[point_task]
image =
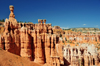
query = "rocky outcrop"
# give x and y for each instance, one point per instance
(36, 42)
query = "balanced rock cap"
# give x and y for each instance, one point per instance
(11, 6)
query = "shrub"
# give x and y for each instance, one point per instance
(68, 41)
(60, 35)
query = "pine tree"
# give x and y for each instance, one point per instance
(3, 20)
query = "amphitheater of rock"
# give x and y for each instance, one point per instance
(38, 43)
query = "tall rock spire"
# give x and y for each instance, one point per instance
(12, 19)
(11, 7)
(11, 16)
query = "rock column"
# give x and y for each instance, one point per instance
(23, 39)
(7, 42)
(47, 49)
(71, 55)
(39, 49)
(27, 46)
(59, 52)
(86, 60)
(17, 42)
(35, 46)
(1, 42)
(96, 59)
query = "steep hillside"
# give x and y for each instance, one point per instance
(9, 59)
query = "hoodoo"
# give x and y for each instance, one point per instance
(36, 42)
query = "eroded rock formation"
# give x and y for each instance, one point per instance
(36, 42)
(82, 55)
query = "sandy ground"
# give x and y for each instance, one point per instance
(9, 59)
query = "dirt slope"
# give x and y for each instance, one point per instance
(9, 59)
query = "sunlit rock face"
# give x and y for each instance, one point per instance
(84, 54)
(36, 42)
